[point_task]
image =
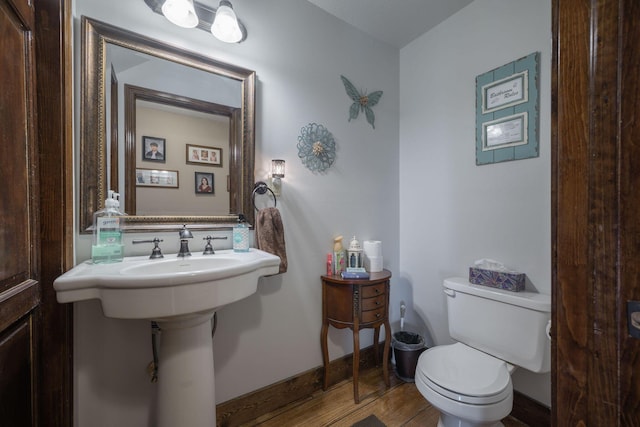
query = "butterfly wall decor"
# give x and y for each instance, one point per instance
(361, 101)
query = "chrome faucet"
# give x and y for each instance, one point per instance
(184, 242)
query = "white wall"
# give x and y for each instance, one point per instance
(298, 52)
(412, 183)
(453, 212)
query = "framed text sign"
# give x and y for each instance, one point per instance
(507, 112)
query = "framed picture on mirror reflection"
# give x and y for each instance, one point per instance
(153, 149)
(202, 155)
(204, 183)
(156, 178)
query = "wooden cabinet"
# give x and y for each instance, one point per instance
(356, 304)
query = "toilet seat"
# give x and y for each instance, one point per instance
(465, 374)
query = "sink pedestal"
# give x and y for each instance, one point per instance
(186, 391)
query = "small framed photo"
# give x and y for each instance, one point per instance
(153, 149)
(204, 183)
(156, 178)
(201, 155)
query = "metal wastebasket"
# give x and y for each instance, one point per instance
(407, 347)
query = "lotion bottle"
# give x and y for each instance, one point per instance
(107, 244)
(338, 256)
(241, 235)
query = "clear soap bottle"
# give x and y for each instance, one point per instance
(107, 244)
(241, 235)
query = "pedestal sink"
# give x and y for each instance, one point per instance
(181, 295)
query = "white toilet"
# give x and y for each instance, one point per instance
(469, 382)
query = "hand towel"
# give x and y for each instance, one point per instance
(270, 234)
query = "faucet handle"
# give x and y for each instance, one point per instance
(156, 252)
(185, 233)
(208, 249)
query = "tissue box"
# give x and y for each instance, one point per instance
(509, 281)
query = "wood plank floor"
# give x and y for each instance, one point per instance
(401, 405)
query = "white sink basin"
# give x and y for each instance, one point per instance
(181, 266)
(156, 289)
(181, 294)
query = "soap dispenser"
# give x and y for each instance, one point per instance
(107, 244)
(241, 235)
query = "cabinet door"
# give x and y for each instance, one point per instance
(339, 302)
(19, 241)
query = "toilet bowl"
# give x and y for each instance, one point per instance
(469, 382)
(468, 387)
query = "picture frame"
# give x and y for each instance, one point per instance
(505, 132)
(203, 155)
(204, 183)
(508, 112)
(157, 178)
(506, 92)
(154, 149)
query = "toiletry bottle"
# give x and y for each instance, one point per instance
(107, 232)
(338, 256)
(241, 235)
(329, 264)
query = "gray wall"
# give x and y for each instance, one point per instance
(299, 53)
(412, 183)
(453, 212)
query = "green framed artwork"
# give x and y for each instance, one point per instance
(507, 112)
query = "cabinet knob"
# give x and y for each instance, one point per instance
(378, 315)
(377, 302)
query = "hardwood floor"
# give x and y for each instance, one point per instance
(401, 405)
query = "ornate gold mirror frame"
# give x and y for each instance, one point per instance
(93, 146)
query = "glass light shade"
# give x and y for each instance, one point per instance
(225, 25)
(277, 168)
(180, 12)
(276, 186)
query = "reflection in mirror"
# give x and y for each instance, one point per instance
(190, 92)
(196, 137)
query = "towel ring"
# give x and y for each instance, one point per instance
(261, 187)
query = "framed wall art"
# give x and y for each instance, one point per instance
(153, 149)
(156, 178)
(507, 112)
(204, 183)
(201, 155)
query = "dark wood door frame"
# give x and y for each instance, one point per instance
(595, 231)
(54, 83)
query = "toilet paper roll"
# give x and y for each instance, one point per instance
(373, 264)
(372, 248)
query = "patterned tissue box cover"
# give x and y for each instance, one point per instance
(511, 281)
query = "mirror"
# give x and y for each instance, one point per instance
(101, 159)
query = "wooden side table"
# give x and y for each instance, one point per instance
(356, 304)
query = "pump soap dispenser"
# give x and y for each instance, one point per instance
(107, 244)
(241, 235)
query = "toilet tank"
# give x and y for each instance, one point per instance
(508, 325)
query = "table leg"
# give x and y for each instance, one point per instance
(376, 339)
(356, 364)
(325, 354)
(385, 356)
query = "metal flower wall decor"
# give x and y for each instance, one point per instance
(361, 101)
(316, 147)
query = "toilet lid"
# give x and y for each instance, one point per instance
(465, 374)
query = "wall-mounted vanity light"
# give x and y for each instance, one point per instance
(180, 12)
(225, 25)
(277, 173)
(221, 22)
